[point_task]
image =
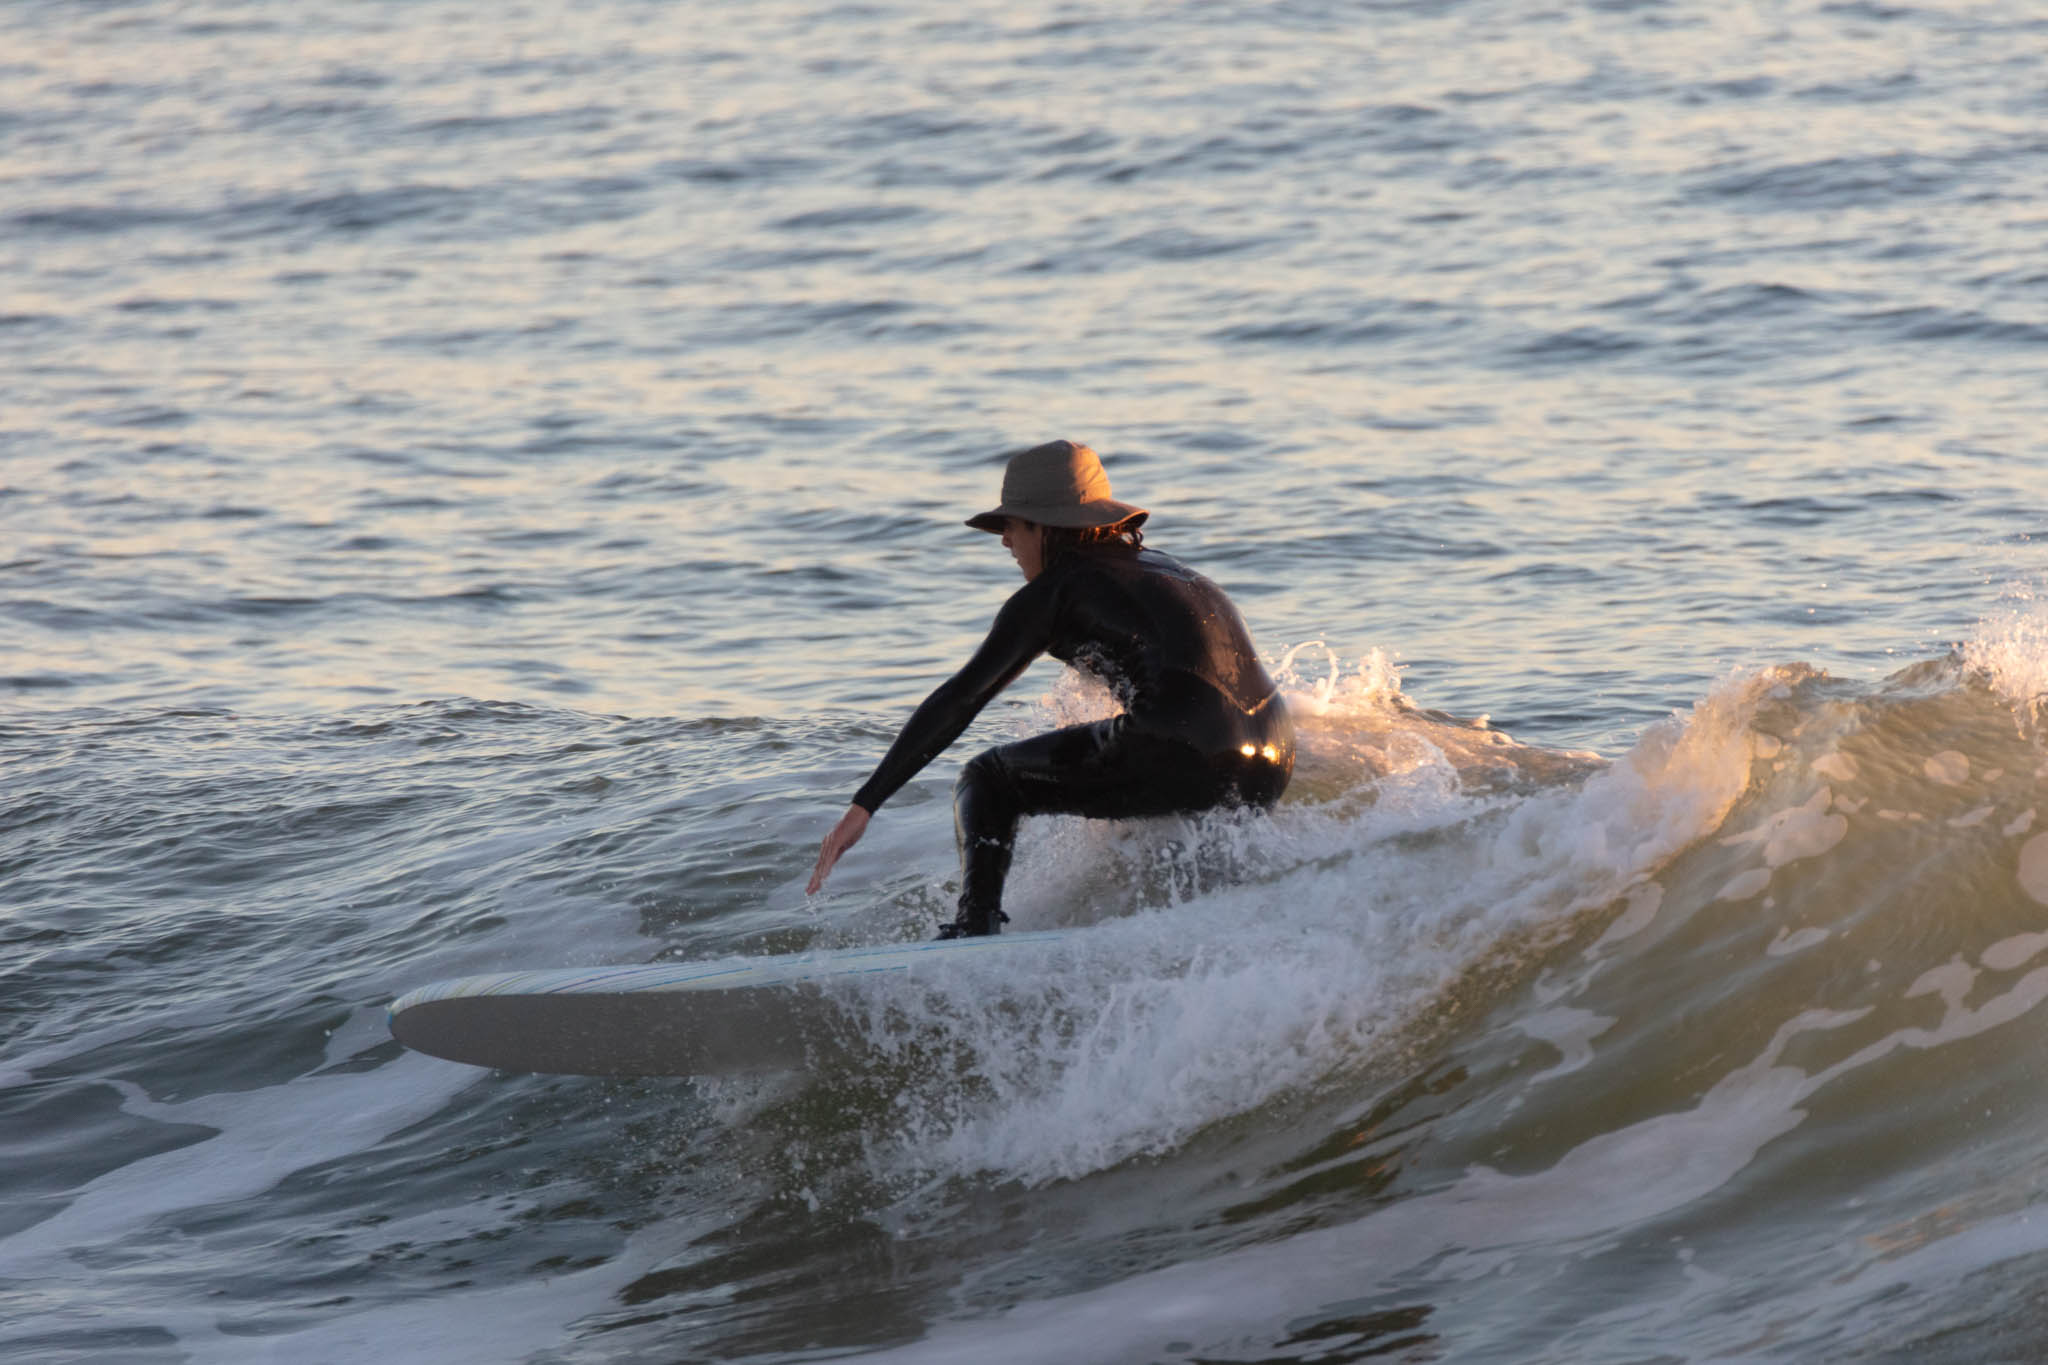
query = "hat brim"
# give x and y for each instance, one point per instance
(1080, 517)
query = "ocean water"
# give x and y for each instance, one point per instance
(481, 485)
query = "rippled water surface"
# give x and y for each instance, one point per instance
(480, 486)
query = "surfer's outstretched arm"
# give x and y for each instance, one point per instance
(1020, 634)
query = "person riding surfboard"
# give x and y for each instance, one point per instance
(1202, 726)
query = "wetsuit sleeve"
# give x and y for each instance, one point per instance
(1022, 630)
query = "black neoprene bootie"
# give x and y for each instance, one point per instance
(971, 925)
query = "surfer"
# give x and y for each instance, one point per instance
(1202, 724)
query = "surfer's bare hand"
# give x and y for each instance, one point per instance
(844, 835)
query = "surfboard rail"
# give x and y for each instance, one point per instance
(717, 1017)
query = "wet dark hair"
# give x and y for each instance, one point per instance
(1061, 541)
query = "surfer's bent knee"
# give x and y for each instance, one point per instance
(984, 771)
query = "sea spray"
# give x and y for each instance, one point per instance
(2010, 646)
(1412, 867)
(1632, 1106)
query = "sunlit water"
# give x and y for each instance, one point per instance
(480, 486)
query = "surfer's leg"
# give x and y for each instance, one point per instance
(993, 793)
(985, 815)
(1103, 770)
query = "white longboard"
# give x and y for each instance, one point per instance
(667, 1018)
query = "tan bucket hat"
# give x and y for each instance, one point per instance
(1057, 484)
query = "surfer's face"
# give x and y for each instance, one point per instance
(1025, 540)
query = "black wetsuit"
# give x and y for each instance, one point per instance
(1202, 726)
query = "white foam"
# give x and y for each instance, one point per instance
(67, 1038)
(1745, 885)
(1480, 1225)
(1789, 941)
(2021, 823)
(2033, 868)
(1802, 831)
(1488, 1222)
(2011, 647)
(456, 1325)
(1377, 682)
(2009, 954)
(1950, 767)
(452, 1324)
(1570, 1031)
(1951, 981)
(1971, 819)
(1373, 895)
(1638, 915)
(1837, 766)
(261, 1136)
